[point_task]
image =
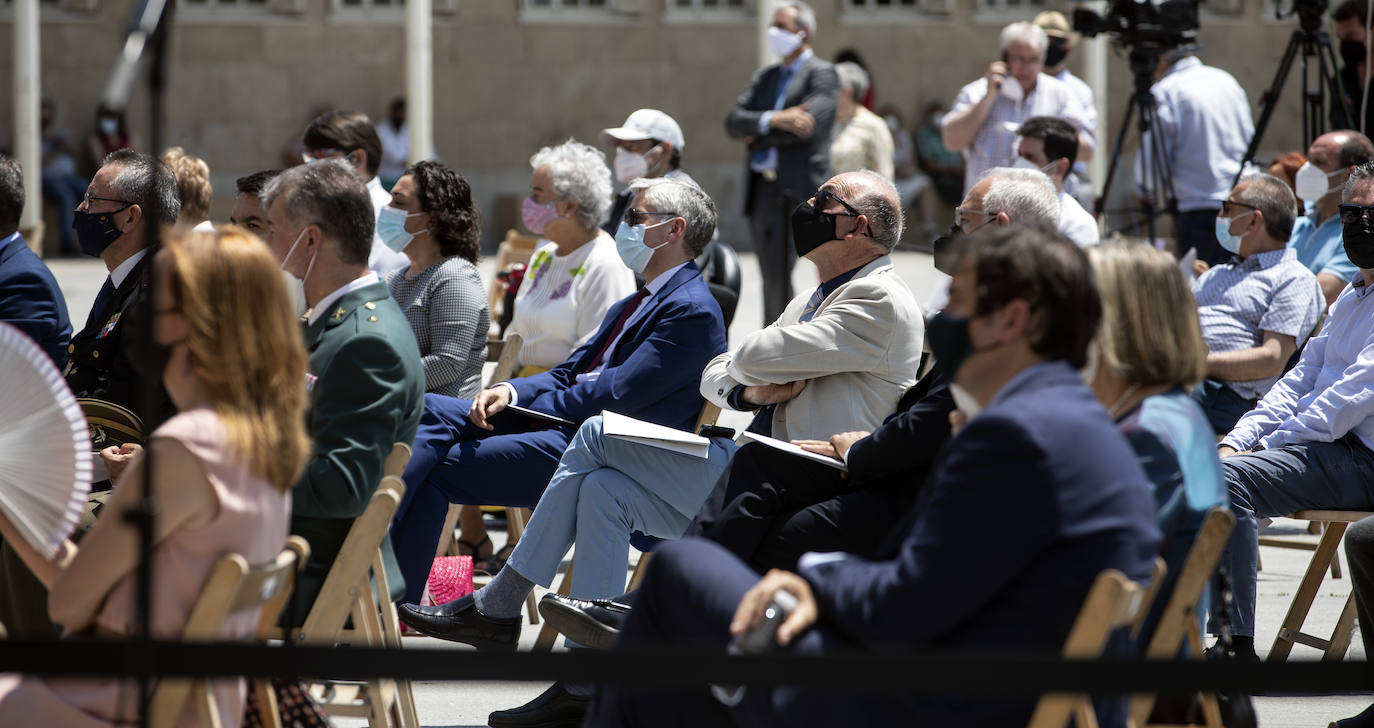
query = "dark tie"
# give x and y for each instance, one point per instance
(762, 424)
(779, 94)
(625, 314)
(102, 299)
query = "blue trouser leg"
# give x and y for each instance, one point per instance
(1327, 475)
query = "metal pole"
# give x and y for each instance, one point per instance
(764, 19)
(1095, 74)
(419, 79)
(26, 126)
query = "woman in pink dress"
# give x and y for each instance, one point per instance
(230, 354)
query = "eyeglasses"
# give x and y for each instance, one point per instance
(960, 212)
(90, 197)
(1354, 214)
(639, 217)
(1227, 205)
(309, 155)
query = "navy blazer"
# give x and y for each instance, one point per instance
(803, 162)
(31, 301)
(652, 373)
(1025, 506)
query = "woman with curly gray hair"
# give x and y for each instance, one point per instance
(433, 221)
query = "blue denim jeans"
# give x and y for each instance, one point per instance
(1327, 475)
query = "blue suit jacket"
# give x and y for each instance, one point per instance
(31, 301)
(652, 373)
(1025, 506)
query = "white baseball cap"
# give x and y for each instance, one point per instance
(646, 124)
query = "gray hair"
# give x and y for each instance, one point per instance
(687, 202)
(11, 194)
(145, 181)
(806, 17)
(853, 77)
(885, 221)
(1026, 195)
(1363, 174)
(327, 193)
(579, 172)
(1272, 197)
(1028, 33)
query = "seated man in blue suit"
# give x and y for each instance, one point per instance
(29, 297)
(644, 362)
(1034, 497)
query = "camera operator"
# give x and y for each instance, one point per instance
(1350, 19)
(1203, 119)
(983, 121)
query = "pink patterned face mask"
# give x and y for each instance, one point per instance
(536, 215)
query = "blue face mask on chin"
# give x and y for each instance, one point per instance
(629, 242)
(1224, 237)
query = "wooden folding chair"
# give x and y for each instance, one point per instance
(516, 248)
(233, 586)
(1112, 603)
(356, 589)
(1179, 620)
(1333, 649)
(547, 634)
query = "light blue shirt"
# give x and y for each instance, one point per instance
(770, 159)
(1330, 393)
(1204, 119)
(1320, 248)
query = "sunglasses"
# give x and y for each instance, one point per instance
(824, 195)
(1354, 214)
(640, 217)
(1228, 208)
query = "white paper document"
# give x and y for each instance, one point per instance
(647, 433)
(1185, 264)
(783, 445)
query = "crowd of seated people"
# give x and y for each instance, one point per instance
(286, 365)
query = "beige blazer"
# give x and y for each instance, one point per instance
(859, 353)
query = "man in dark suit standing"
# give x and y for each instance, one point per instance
(1035, 496)
(29, 297)
(365, 382)
(784, 117)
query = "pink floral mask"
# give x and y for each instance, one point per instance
(536, 215)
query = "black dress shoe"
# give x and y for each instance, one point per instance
(1363, 720)
(459, 621)
(554, 708)
(592, 623)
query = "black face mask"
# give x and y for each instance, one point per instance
(1352, 53)
(1056, 52)
(946, 249)
(1359, 243)
(95, 231)
(811, 229)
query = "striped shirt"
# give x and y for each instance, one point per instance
(1270, 291)
(446, 307)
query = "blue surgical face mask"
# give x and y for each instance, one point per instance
(391, 227)
(629, 242)
(1224, 237)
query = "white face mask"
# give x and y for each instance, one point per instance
(965, 402)
(1089, 371)
(630, 166)
(298, 289)
(1023, 163)
(1311, 183)
(783, 43)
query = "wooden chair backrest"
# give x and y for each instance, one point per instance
(1178, 621)
(1148, 598)
(709, 414)
(351, 568)
(1112, 603)
(505, 352)
(516, 248)
(233, 586)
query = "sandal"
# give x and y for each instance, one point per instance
(492, 564)
(473, 549)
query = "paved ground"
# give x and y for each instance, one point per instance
(467, 704)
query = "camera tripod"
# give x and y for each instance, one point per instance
(1309, 40)
(1157, 177)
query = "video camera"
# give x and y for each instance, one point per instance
(1143, 23)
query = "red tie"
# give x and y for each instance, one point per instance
(625, 314)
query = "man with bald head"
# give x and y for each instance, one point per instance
(1317, 235)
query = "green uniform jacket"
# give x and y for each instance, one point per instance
(366, 391)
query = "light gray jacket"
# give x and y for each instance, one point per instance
(859, 353)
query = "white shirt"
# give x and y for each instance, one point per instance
(1075, 223)
(395, 147)
(1330, 393)
(323, 304)
(122, 270)
(381, 259)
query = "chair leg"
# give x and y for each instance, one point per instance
(640, 570)
(1344, 631)
(1307, 592)
(448, 545)
(547, 634)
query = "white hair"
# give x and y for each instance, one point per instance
(1027, 196)
(579, 172)
(687, 201)
(1028, 33)
(853, 77)
(806, 17)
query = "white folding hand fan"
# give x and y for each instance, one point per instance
(45, 450)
